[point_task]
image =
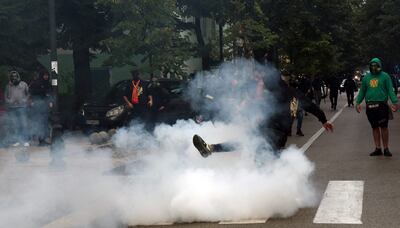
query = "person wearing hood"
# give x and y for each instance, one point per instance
(376, 89)
(16, 97)
(41, 95)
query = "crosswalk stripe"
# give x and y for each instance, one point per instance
(342, 203)
(243, 222)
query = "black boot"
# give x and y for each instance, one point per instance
(377, 152)
(387, 153)
(201, 146)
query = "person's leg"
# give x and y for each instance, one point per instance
(385, 137)
(352, 98)
(25, 131)
(318, 98)
(373, 117)
(331, 99)
(223, 147)
(300, 116)
(13, 125)
(19, 125)
(206, 149)
(334, 99)
(348, 94)
(377, 137)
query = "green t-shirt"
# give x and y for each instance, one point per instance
(376, 88)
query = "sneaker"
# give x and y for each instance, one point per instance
(377, 152)
(387, 153)
(299, 133)
(16, 144)
(201, 146)
(26, 144)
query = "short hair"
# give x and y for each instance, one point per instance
(135, 73)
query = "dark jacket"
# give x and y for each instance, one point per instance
(350, 85)
(40, 89)
(334, 85)
(282, 118)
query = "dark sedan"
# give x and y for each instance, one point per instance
(110, 112)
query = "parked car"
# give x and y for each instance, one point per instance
(111, 111)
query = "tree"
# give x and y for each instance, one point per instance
(147, 29)
(82, 25)
(380, 32)
(23, 33)
(315, 37)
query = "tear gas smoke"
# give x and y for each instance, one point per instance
(173, 183)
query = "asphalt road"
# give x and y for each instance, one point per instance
(344, 155)
(341, 155)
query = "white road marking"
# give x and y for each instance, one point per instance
(342, 203)
(243, 222)
(307, 145)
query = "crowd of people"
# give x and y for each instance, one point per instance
(376, 88)
(317, 90)
(26, 110)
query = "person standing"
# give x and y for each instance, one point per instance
(350, 87)
(138, 98)
(317, 85)
(377, 88)
(40, 91)
(334, 85)
(17, 96)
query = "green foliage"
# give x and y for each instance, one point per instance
(23, 33)
(318, 37)
(380, 31)
(147, 28)
(248, 27)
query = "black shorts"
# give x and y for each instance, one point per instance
(378, 114)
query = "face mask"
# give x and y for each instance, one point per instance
(375, 68)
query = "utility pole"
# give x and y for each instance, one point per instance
(57, 142)
(53, 52)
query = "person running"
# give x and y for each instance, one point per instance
(350, 87)
(279, 124)
(376, 88)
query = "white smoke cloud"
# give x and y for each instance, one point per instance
(168, 180)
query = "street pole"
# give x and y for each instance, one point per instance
(57, 142)
(53, 50)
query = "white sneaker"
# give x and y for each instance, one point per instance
(16, 144)
(26, 144)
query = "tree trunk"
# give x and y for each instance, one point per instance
(203, 49)
(83, 81)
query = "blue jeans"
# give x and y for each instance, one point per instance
(300, 116)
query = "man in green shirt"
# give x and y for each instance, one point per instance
(377, 88)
